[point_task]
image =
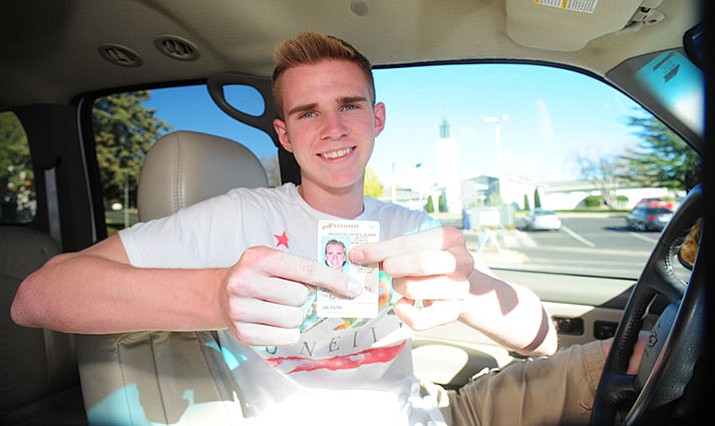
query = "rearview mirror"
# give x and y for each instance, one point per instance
(693, 41)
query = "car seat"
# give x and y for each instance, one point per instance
(159, 377)
(39, 381)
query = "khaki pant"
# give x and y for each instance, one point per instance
(557, 390)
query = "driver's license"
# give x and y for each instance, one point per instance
(335, 240)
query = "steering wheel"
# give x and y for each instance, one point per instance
(662, 389)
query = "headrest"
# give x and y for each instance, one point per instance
(186, 167)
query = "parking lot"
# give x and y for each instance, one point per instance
(598, 244)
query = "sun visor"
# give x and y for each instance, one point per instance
(569, 25)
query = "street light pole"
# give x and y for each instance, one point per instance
(497, 120)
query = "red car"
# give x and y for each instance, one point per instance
(658, 202)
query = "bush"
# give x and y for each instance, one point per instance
(593, 201)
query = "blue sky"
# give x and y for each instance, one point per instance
(554, 115)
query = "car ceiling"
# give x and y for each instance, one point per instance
(51, 49)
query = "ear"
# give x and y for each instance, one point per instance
(379, 118)
(282, 132)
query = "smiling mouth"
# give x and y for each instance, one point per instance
(332, 155)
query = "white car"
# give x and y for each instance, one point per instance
(542, 220)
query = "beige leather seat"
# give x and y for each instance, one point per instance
(170, 377)
(39, 382)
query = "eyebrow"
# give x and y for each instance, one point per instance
(301, 108)
(351, 99)
(342, 100)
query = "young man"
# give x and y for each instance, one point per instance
(254, 284)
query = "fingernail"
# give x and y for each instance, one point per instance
(354, 287)
(356, 256)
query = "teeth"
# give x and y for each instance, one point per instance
(337, 154)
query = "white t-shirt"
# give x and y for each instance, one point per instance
(343, 371)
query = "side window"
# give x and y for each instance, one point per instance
(127, 124)
(17, 180)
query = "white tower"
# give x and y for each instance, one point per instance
(447, 162)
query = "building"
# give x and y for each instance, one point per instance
(447, 164)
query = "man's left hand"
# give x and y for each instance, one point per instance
(430, 269)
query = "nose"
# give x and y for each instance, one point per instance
(333, 126)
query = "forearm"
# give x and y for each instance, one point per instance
(90, 294)
(511, 315)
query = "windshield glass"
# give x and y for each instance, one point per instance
(480, 146)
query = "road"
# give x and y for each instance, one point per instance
(585, 245)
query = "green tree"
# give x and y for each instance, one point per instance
(442, 203)
(527, 207)
(430, 205)
(537, 199)
(17, 180)
(662, 158)
(373, 187)
(124, 131)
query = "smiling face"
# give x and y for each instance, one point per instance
(335, 255)
(330, 124)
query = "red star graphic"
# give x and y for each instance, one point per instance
(282, 240)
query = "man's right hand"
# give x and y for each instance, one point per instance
(265, 292)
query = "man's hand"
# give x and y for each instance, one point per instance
(429, 269)
(266, 289)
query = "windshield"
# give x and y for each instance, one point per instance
(481, 147)
(484, 146)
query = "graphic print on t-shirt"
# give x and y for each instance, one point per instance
(295, 364)
(281, 240)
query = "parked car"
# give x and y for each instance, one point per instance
(658, 202)
(490, 103)
(542, 220)
(648, 218)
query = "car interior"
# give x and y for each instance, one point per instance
(63, 57)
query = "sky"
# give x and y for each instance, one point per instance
(553, 115)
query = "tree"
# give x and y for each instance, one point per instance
(124, 131)
(430, 205)
(373, 187)
(662, 158)
(442, 203)
(537, 199)
(527, 207)
(607, 172)
(17, 179)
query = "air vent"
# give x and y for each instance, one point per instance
(176, 48)
(119, 55)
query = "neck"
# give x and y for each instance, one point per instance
(346, 202)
